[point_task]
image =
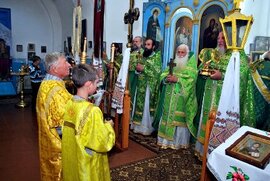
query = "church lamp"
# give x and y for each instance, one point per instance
(236, 28)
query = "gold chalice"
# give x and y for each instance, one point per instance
(207, 56)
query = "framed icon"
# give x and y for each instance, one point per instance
(43, 49)
(31, 47)
(262, 43)
(256, 55)
(19, 48)
(251, 148)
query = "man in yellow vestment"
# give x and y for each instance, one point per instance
(51, 100)
(86, 136)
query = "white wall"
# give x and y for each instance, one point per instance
(260, 10)
(115, 29)
(35, 22)
(65, 10)
(88, 14)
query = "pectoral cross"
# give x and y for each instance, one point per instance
(171, 64)
(129, 18)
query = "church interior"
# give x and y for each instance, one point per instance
(217, 113)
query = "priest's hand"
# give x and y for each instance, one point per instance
(216, 75)
(171, 78)
(139, 67)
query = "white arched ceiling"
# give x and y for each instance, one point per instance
(65, 11)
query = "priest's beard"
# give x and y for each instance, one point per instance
(181, 61)
(221, 49)
(147, 52)
(134, 48)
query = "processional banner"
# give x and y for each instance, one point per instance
(77, 30)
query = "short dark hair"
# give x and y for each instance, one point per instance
(153, 41)
(35, 58)
(82, 73)
(256, 143)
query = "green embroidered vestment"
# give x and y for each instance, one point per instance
(149, 77)
(178, 102)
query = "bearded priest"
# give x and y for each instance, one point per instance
(148, 71)
(177, 105)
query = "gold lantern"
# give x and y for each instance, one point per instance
(236, 28)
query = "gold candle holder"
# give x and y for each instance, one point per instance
(22, 74)
(84, 53)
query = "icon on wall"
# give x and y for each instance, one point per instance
(19, 48)
(89, 44)
(43, 49)
(31, 47)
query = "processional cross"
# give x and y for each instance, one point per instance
(129, 18)
(171, 64)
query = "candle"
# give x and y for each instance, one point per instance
(84, 44)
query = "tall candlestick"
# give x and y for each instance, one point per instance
(84, 44)
(112, 53)
(84, 54)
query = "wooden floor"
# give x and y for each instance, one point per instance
(19, 145)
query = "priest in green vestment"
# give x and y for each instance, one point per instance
(146, 89)
(177, 103)
(238, 109)
(135, 58)
(211, 90)
(261, 78)
(208, 87)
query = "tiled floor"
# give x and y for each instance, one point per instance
(19, 146)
